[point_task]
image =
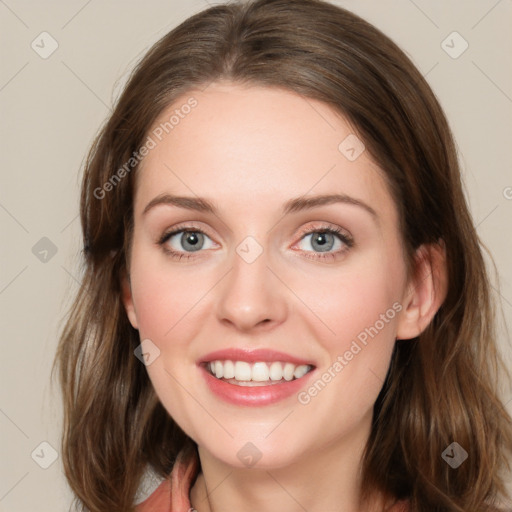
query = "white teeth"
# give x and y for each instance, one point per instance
(300, 371)
(242, 370)
(229, 370)
(258, 372)
(276, 371)
(219, 369)
(289, 368)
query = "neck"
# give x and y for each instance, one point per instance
(327, 478)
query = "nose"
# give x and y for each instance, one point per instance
(251, 296)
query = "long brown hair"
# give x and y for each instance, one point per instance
(441, 387)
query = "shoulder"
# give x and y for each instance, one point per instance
(159, 499)
(172, 494)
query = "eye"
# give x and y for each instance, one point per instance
(317, 243)
(179, 242)
(325, 242)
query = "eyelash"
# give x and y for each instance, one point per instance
(343, 237)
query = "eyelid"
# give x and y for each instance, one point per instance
(324, 226)
(183, 226)
(188, 226)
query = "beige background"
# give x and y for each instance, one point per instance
(51, 108)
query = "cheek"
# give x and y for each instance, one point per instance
(358, 308)
(362, 311)
(355, 299)
(162, 296)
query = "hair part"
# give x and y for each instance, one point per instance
(441, 387)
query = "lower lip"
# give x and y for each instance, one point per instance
(254, 395)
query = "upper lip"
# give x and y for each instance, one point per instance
(252, 356)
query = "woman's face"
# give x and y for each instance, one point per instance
(271, 283)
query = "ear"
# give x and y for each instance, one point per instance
(425, 291)
(126, 297)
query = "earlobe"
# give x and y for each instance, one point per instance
(126, 297)
(426, 291)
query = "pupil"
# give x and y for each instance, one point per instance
(322, 242)
(192, 238)
(321, 239)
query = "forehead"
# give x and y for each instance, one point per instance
(256, 146)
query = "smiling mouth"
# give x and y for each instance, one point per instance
(242, 373)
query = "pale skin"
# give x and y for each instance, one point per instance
(249, 150)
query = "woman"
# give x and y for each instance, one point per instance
(285, 304)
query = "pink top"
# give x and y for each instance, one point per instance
(172, 495)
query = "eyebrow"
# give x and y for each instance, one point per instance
(293, 205)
